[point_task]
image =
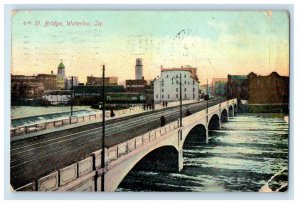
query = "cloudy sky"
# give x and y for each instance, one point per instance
(217, 43)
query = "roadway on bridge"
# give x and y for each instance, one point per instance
(37, 156)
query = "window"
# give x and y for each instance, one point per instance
(162, 90)
(184, 76)
(185, 96)
(172, 82)
(176, 95)
(193, 96)
(162, 84)
(168, 96)
(193, 89)
(176, 89)
(162, 96)
(193, 82)
(184, 82)
(184, 89)
(156, 96)
(167, 76)
(176, 76)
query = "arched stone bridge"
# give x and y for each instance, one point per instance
(149, 151)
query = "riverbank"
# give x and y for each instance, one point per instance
(30, 111)
(263, 108)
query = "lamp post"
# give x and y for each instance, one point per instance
(103, 129)
(180, 100)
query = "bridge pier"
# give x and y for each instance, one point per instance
(231, 111)
(206, 134)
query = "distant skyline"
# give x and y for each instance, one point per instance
(216, 42)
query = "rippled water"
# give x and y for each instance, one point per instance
(26, 115)
(242, 156)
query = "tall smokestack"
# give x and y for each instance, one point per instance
(138, 68)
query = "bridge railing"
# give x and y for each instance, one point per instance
(224, 104)
(117, 151)
(63, 179)
(21, 130)
(213, 108)
(193, 118)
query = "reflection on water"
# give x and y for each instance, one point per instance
(242, 156)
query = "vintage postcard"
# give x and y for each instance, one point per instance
(143, 101)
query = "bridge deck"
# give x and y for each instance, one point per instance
(46, 151)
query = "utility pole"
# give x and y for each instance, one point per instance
(207, 96)
(180, 98)
(103, 129)
(180, 103)
(72, 97)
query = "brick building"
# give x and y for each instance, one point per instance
(238, 87)
(136, 85)
(91, 80)
(49, 81)
(271, 89)
(26, 87)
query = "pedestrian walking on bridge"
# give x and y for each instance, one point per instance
(162, 121)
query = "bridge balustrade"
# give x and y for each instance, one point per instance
(84, 171)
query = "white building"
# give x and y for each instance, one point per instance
(167, 86)
(57, 97)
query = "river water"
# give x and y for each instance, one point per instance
(242, 156)
(27, 115)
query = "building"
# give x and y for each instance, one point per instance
(125, 98)
(138, 69)
(49, 81)
(271, 89)
(219, 86)
(61, 80)
(136, 85)
(69, 82)
(150, 92)
(26, 87)
(90, 94)
(57, 97)
(91, 80)
(167, 86)
(238, 87)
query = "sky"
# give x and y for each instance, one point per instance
(217, 43)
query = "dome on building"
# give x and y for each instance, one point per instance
(61, 65)
(61, 70)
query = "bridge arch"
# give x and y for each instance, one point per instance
(214, 123)
(196, 136)
(231, 111)
(224, 115)
(152, 160)
(156, 160)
